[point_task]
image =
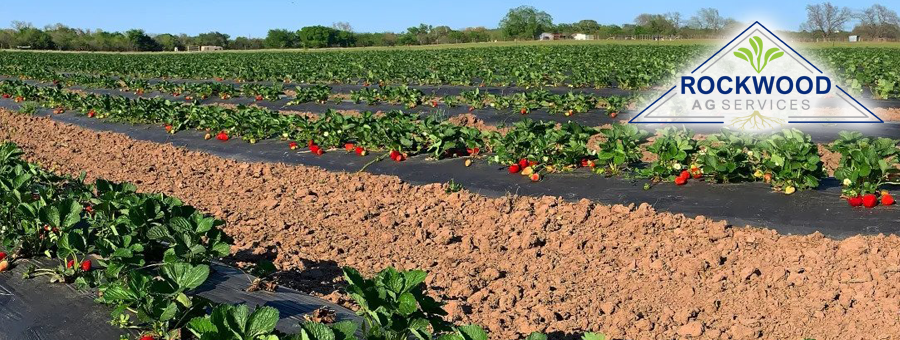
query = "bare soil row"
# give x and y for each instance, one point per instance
(514, 264)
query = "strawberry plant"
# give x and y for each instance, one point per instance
(316, 93)
(866, 163)
(674, 149)
(228, 322)
(549, 147)
(445, 139)
(260, 92)
(158, 303)
(615, 104)
(619, 148)
(791, 160)
(728, 157)
(394, 305)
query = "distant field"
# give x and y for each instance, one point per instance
(629, 65)
(707, 42)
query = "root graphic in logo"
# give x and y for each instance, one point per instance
(755, 82)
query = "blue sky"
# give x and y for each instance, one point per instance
(254, 18)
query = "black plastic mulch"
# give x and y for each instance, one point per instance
(740, 204)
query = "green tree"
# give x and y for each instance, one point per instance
(65, 38)
(37, 39)
(244, 43)
(168, 42)
(586, 26)
(317, 36)
(212, 39)
(345, 38)
(478, 34)
(525, 22)
(279, 38)
(140, 41)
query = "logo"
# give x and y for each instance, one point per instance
(760, 65)
(755, 82)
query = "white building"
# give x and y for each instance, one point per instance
(548, 36)
(210, 48)
(582, 36)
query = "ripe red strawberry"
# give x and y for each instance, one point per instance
(6, 96)
(855, 201)
(360, 151)
(314, 147)
(886, 199)
(532, 163)
(514, 169)
(147, 337)
(139, 92)
(89, 209)
(473, 151)
(523, 111)
(19, 99)
(2, 255)
(685, 174)
(349, 147)
(188, 98)
(222, 136)
(395, 155)
(523, 163)
(293, 145)
(535, 178)
(680, 180)
(310, 143)
(259, 97)
(319, 152)
(91, 114)
(434, 104)
(70, 264)
(168, 128)
(613, 115)
(696, 173)
(869, 201)
(86, 265)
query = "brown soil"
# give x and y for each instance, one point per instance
(891, 114)
(470, 120)
(513, 264)
(830, 160)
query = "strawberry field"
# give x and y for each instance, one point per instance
(478, 124)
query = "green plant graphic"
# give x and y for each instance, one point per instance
(761, 60)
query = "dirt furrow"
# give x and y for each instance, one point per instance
(514, 264)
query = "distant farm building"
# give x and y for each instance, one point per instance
(210, 48)
(551, 36)
(557, 36)
(582, 36)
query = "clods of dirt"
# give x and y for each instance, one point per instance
(513, 264)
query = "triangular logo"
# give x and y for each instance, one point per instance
(755, 82)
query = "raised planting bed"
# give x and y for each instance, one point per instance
(804, 212)
(148, 258)
(532, 254)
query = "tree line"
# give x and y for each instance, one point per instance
(824, 20)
